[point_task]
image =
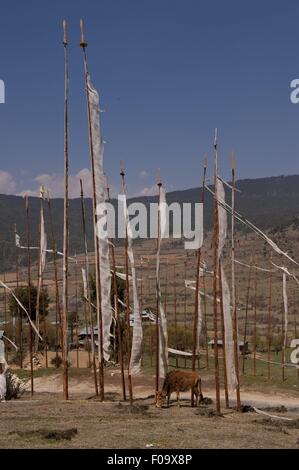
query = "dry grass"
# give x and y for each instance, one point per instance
(44, 420)
(110, 425)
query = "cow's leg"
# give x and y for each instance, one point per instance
(178, 397)
(200, 392)
(168, 399)
(196, 395)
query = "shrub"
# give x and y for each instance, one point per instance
(56, 361)
(15, 386)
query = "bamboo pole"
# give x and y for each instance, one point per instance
(223, 338)
(166, 288)
(19, 310)
(151, 340)
(195, 322)
(282, 348)
(216, 256)
(122, 174)
(141, 306)
(87, 302)
(175, 315)
(5, 306)
(5, 312)
(246, 315)
(206, 319)
(65, 224)
(234, 304)
(196, 304)
(120, 342)
(185, 310)
(58, 319)
(159, 184)
(45, 328)
(120, 339)
(254, 322)
(5, 309)
(29, 293)
(40, 269)
(151, 345)
(88, 343)
(83, 45)
(116, 309)
(295, 331)
(269, 325)
(283, 335)
(76, 312)
(115, 298)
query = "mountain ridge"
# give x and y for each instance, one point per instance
(269, 202)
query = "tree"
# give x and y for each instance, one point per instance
(121, 287)
(277, 343)
(22, 294)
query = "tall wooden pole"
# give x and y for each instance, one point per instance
(185, 310)
(175, 315)
(295, 330)
(83, 44)
(223, 338)
(29, 293)
(196, 302)
(88, 324)
(206, 319)
(141, 306)
(234, 304)
(76, 312)
(119, 333)
(158, 319)
(40, 269)
(283, 334)
(88, 300)
(246, 315)
(5, 312)
(254, 322)
(58, 319)
(115, 297)
(5, 307)
(19, 310)
(117, 316)
(166, 288)
(151, 339)
(122, 174)
(45, 327)
(269, 326)
(216, 256)
(65, 224)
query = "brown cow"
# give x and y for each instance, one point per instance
(179, 381)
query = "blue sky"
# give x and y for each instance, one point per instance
(169, 72)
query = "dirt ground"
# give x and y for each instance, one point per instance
(35, 422)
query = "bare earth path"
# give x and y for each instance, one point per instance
(115, 424)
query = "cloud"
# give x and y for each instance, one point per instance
(153, 190)
(143, 174)
(148, 191)
(54, 182)
(7, 183)
(28, 192)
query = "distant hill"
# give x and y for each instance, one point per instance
(271, 203)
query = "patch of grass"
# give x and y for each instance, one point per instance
(53, 434)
